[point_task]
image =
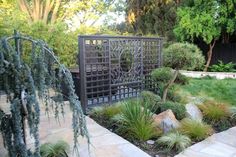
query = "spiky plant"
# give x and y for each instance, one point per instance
(195, 129)
(136, 121)
(27, 75)
(58, 149)
(175, 140)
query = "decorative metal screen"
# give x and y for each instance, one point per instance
(115, 68)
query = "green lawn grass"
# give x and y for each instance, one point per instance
(219, 90)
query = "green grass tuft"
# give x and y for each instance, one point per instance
(195, 129)
(175, 140)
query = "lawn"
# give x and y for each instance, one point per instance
(219, 90)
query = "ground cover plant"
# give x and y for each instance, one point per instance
(219, 90)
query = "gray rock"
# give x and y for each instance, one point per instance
(167, 124)
(151, 142)
(157, 156)
(193, 112)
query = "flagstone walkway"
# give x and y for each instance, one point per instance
(103, 142)
(222, 144)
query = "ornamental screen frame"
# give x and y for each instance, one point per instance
(113, 68)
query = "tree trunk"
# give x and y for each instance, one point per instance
(165, 90)
(209, 55)
(55, 11)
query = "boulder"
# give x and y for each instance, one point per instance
(166, 121)
(193, 112)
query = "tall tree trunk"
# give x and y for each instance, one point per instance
(166, 88)
(209, 55)
(55, 11)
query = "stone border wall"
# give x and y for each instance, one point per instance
(217, 75)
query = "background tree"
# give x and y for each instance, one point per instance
(207, 21)
(178, 56)
(153, 17)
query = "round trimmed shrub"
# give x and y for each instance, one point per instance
(177, 108)
(184, 56)
(150, 100)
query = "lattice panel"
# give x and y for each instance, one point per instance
(115, 68)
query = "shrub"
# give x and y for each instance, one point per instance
(214, 112)
(182, 79)
(136, 121)
(151, 100)
(59, 149)
(177, 108)
(175, 140)
(183, 56)
(221, 67)
(195, 129)
(162, 75)
(106, 111)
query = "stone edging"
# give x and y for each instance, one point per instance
(217, 75)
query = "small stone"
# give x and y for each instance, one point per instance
(151, 142)
(157, 156)
(193, 112)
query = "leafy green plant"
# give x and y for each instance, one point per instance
(136, 121)
(59, 149)
(195, 129)
(151, 100)
(197, 20)
(177, 108)
(214, 112)
(222, 67)
(175, 140)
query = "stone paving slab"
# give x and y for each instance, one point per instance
(222, 144)
(103, 142)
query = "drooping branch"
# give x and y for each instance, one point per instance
(41, 73)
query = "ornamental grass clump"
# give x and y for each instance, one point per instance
(195, 129)
(214, 112)
(175, 140)
(136, 121)
(58, 149)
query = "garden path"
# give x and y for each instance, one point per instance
(222, 144)
(103, 142)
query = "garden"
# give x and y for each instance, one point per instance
(184, 112)
(126, 71)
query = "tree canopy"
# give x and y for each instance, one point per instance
(206, 20)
